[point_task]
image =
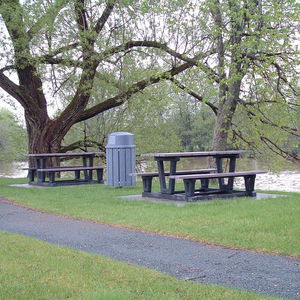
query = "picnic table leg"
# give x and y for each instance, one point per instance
(162, 177)
(231, 169)
(41, 164)
(173, 164)
(86, 173)
(219, 163)
(91, 163)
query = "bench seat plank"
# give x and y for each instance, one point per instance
(179, 172)
(217, 175)
(75, 168)
(88, 177)
(148, 176)
(190, 180)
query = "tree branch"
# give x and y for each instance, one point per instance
(193, 94)
(18, 92)
(48, 17)
(12, 89)
(104, 17)
(279, 151)
(81, 145)
(153, 44)
(81, 18)
(290, 130)
(135, 88)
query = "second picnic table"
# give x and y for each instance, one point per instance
(42, 168)
(190, 176)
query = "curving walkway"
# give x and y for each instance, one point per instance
(260, 273)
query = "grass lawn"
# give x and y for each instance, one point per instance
(32, 269)
(270, 225)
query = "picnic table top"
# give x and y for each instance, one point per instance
(63, 154)
(197, 154)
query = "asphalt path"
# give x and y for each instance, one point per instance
(265, 274)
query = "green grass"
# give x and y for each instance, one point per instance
(269, 225)
(32, 269)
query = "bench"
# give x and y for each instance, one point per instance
(148, 176)
(76, 169)
(190, 180)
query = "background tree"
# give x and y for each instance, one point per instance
(148, 116)
(194, 123)
(12, 137)
(255, 68)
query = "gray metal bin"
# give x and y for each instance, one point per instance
(120, 159)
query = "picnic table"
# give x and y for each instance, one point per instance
(168, 178)
(38, 174)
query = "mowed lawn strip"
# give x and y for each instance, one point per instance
(32, 269)
(268, 225)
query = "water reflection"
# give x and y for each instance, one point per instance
(13, 169)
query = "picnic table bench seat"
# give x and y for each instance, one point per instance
(76, 169)
(148, 176)
(190, 180)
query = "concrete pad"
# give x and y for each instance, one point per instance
(26, 185)
(258, 196)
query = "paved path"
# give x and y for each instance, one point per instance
(260, 273)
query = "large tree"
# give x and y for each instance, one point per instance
(61, 48)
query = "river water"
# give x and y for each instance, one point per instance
(287, 181)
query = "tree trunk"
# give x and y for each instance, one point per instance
(43, 139)
(223, 125)
(226, 110)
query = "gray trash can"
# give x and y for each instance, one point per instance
(120, 159)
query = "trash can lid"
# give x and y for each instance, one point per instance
(120, 138)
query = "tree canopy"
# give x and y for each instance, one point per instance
(237, 57)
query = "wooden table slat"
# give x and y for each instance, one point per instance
(63, 154)
(196, 154)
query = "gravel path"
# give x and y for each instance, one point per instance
(261, 273)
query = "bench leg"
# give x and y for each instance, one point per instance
(147, 183)
(52, 177)
(100, 175)
(249, 184)
(31, 175)
(90, 174)
(77, 175)
(204, 183)
(189, 186)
